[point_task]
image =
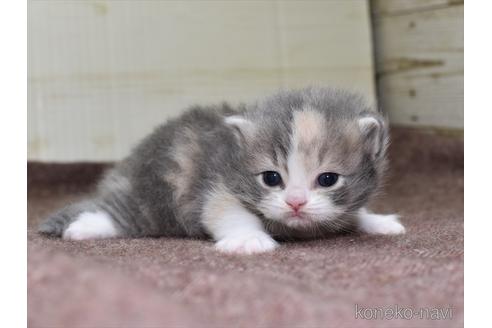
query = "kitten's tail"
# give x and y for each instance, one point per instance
(110, 208)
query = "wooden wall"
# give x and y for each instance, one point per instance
(102, 74)
(419, 61)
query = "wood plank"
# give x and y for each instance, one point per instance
(424, 100)
(424, 42)
(420, 67)
(399, 7)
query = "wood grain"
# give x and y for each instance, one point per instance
(419, 60)
(399, 7)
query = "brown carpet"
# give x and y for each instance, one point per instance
(185, 283)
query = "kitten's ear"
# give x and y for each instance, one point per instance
(374, 134)
(243, 128)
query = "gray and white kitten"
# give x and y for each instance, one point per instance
(299, 164)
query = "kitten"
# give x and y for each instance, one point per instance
(299, 164)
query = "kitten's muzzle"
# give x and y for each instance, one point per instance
(296, 204)
(295, 200)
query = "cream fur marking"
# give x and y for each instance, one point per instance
(182, 154)
(234, 228)
(379, 224)
(308, 126)
(91, 225)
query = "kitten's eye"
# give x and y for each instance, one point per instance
(327, 179)
(272, 178)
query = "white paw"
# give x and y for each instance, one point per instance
(91, 225)
(380, 224)
(251, 243)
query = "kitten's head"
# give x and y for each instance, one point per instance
(311, 155)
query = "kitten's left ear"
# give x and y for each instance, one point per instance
(374, 133)
(243, 128)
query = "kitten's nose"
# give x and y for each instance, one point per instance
(296, 202)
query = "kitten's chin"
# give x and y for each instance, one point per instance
(305, 221)
(298, 222)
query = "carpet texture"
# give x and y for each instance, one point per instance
(320, 283)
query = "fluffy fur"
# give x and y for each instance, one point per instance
(200, 175)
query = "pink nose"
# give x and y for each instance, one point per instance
(296, 203)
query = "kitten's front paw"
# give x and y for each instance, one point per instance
(247, 244)
(381, 224)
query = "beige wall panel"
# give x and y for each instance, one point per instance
(102, 74)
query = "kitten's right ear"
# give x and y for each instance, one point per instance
(374, 134)
(243, 128)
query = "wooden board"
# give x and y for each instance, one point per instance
(399, 7)
(424, 100)
(102, 74)
(419, 59)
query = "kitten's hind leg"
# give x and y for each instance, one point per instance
(234, 228)
(83, 220)
(91, 225)
(378, 223)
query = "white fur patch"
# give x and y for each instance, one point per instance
(91, 225)
(235, 229)
(247, 243)
(298, 177)
(379, 224)
(236, 120)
